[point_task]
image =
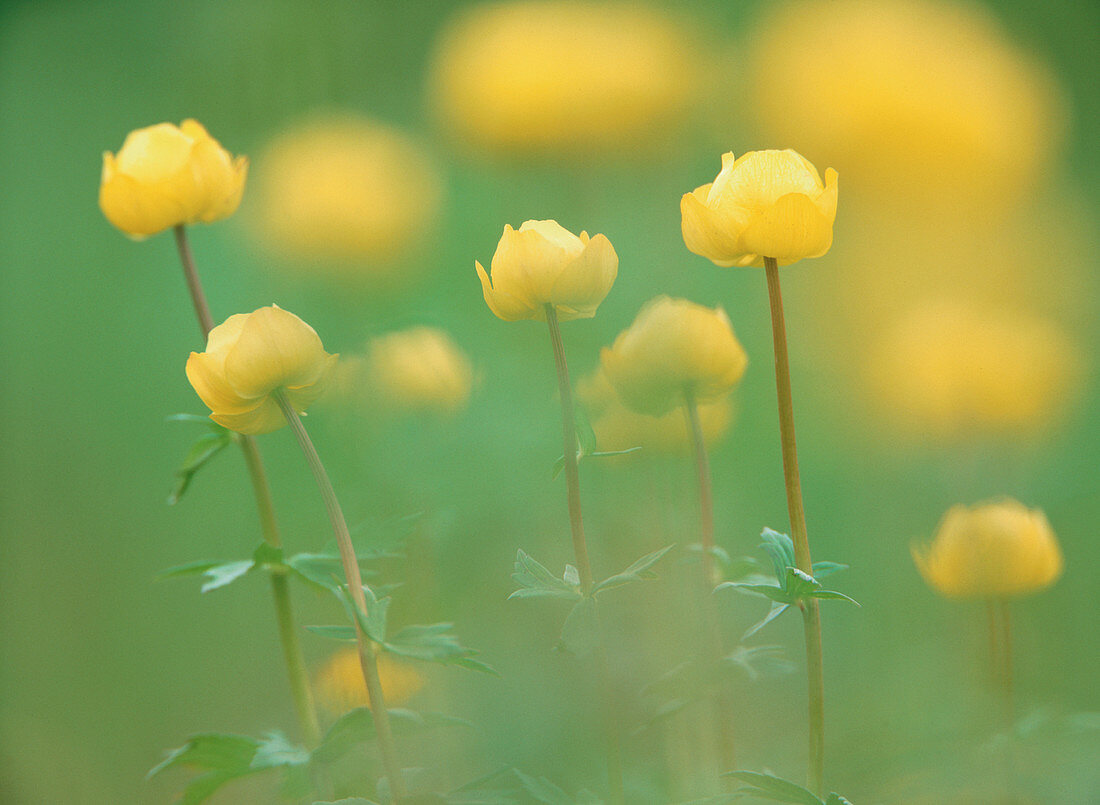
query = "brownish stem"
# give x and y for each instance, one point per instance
(713, 631)
(811, 615)
(298, 676)
(367, 658)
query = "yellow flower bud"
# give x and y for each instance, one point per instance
(955, 369)
(564, 77)
(164, 176)
(994, 549)
(762, 204)
(674, 348)
(541, 263)
(340, 686)
(619, 428)
(913, 100)
(250, 357)
(346, 191)
(420, 369)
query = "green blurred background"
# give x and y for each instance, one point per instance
(104, 667)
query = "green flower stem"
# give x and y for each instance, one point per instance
(713, 630)
(367, 657)
(300, 691)
(811, 615)
(580, 548)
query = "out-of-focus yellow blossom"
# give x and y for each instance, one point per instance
(165, 175)
(563, 76)
(992, 550)
(957, 369)
(340, 686)
(346, 191)
(674, 348)
(540, 264)
(619, 428)
(762, 204)
(420, 369)
(910, 99)
(250, 357)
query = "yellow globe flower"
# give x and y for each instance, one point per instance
(674, 348)
(164, 176)
(540, 264)
(346, 191)
(956, 369)
(911, 99)
(340, 686)
(762, 204)
(619, 428)
(992, 550)
(252, 356)
(418, 370)
(563, 76)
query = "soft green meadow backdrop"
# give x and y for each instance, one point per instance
(103, 667)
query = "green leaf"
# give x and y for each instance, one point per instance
(767, 786)
(799, 584)
(347, 633)
(197, 418)
(586, 436)
(357, 726)
(757, 661)
(435, 643)
(223, 757)
(773, 592)
(823, 569)
(836, 799)
(201, 452)
(780, 550)
(221, 575)
(268, 557)
(536, 581)
(581, 632)
(276, 750)
(543, 790)
(833, 594)
(323, 569)
(773, 613)
(373, 621)
(639, 571)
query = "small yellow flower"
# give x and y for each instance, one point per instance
(956, 369)
(762, 204)
(250, 357)
(340, 686)
(164, 176)
(996, 549)
(674, 348)
(564, 77)
(913, 100)
(346, 190)
(619, 428)
(540, 264)
(420, 369)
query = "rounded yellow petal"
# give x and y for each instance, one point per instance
(674, 348)
(340, 686)
(266, 417)
(788, 230)
(993, 550)
(165, 176)
(708, 232)
(418, 370)
(585, 282)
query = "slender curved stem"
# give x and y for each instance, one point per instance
(367, 659)
(713, 630)
(580, 549)
(297, 675)
(811, 615)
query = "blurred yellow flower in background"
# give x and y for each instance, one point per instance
(249, 358)
(762, 204)
(563, 76)
(340, 686)
(350, 192)
(619, 428)
(992, 550)
(957, 369)
(418, 370)
(541, 263)
(165, 176)
(675, 349)
(910, 99)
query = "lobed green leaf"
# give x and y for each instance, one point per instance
(638, 571)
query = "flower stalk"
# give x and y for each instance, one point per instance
(367, 656)
(713, 631)
(580, 547)
(811, 615)
(297, 675)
